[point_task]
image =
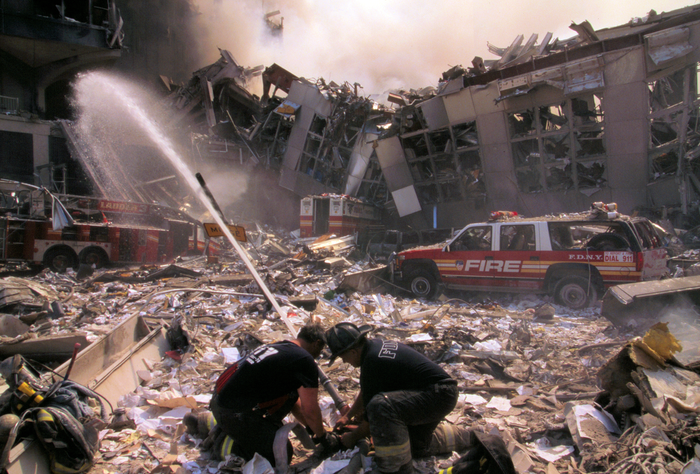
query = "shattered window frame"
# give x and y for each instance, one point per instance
(373, 187)
(446, 164)
(674, 124)
(564, 150)
(320, 159)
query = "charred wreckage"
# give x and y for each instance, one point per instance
(555, 126)
(608, 115)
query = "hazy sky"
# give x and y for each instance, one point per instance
(384, 44)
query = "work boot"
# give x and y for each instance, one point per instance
(448, 438)
(199, 424)
(218, 443)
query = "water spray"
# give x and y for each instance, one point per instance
(325, 381)
(124, 96)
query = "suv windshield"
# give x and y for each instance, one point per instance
(474, 238)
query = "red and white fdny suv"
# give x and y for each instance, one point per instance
(574, 257)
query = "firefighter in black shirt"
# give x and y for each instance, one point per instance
(252, 397)
(403, 398)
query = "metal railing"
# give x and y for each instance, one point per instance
(9, 104)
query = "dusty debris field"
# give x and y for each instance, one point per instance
(523, 364)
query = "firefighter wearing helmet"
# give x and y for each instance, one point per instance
(403, 398)
(252, 396)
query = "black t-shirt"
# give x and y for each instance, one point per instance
(388, 366)
(267, 373)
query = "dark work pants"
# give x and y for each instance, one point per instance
(402, 422)
(252, 431)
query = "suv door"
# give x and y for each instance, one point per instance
(468, 260)
(520, 257)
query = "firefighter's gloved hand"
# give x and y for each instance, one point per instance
(327, 445)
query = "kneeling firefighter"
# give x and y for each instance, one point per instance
(403, 398)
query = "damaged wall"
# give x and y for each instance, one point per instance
(606, 126)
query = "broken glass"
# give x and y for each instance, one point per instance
(589, 143)
(553, 117)
(558, 178)
(421, 170)
(312, 146)
(318, 125)
(591, 174)
(440, 142)
(451, 191)
(667, 91)
(522, 123)
(528, 179)
(556, 147)
(444, 166)
(473, 238)
(465, 135)
(588, 110)
(665, 129)
(561, 236)
(663, 162)
(475, 187)
(416, 143)
(468, 161)
(526, 152)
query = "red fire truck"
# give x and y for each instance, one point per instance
(335, 214)
(61, 231)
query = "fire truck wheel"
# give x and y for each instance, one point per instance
(94, 256)
(60, 259)
(575, 292)
(422, 284)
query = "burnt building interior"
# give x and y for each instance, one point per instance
(550, 126)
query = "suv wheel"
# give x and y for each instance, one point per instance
(422, 284)
(575, 292)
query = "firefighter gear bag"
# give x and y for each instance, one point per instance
(489, 456)
(71, 444)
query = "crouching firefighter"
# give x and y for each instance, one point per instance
(403, 398)
(252, 396)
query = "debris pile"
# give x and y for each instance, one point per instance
(566, 390)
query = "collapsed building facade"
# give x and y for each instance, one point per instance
(551, 126)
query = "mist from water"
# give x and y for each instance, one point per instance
(126, 143)
(124, 101)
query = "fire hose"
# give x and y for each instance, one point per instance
(325, 381)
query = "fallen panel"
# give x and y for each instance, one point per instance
(45, 349)
(365, 280)
(644, 301)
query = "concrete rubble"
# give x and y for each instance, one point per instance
(549, 125)
(567, 390)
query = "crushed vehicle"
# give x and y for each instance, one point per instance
(62, 231)
(573, 257)
(380, 246)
